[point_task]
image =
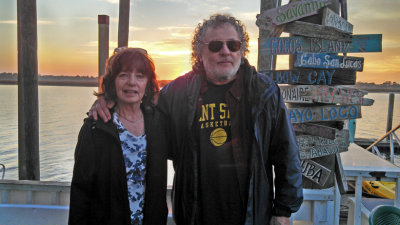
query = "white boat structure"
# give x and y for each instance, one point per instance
(47, 202)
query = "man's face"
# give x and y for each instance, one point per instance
(221, 66)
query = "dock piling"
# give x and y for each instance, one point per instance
(103, 21)
(123, 23)
(28, 107)
(390, 113)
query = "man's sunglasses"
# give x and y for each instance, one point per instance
(216, 46)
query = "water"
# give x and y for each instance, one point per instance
(61, 113)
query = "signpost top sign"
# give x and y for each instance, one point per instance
(294, 11)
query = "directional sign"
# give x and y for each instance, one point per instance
(313, 76)
(324, 113)
(331, 19)
(315, 130)
(314, 30)
(314, 171)
(299, 44)
(314, 146)
(294, 11)
(322, 94)
(326, 61)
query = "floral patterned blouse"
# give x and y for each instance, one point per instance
(134, 151)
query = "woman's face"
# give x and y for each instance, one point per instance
(130, 86)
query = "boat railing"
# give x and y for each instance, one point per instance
(392, 136)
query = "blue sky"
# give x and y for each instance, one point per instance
(67, 33)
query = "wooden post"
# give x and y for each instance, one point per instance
(390, 114)
(265, 61)
(123, 23)
(343, 9)
(28, 110)
(103, 21)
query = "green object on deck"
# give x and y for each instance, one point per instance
(384, 215)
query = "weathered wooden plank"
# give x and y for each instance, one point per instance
(294, 11)
(314, 171)
(315, 31)
(340, 177)
(324, 113)
(300, 44)
(314, 146)
(267, 61)
(331, 19)
(313, 76)
(315, 130)
(367, 102)
(322, 94)
(327, 61)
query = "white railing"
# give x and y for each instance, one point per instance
(392, 136)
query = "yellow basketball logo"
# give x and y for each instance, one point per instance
(218, 137)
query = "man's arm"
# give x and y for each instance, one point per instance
(280, 220)
(285, 157)
(101, 108)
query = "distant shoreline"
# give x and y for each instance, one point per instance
(78, 83)
(162, 83)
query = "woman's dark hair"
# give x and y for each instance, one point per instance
(128, 59)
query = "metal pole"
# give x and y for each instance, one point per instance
(123, 23)
(103, 21)
(28, 110)
(390, 113)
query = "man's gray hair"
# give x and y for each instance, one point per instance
(215, 21)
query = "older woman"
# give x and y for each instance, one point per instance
(120, 167)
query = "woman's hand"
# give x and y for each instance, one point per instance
(101, 108)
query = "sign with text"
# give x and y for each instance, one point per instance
(314, 171)
(314, 146)
(322, 94)
(294, 11)
(315, 130)
(331, 19)
(299, 44)
(324, 113)
(326, 61)
(313, 76)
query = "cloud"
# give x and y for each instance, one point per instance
(133, 28)
(8, 22)
(86, 18)
(170, 28)
(42, 22)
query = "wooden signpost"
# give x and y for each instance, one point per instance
(294, 11)
(316, 108)
(322, 94)
(299, 44)
(313, 76)
(315, 130)
(331, 19)
(314, 146)
(314, 171)
(324, 113)
(326, 61)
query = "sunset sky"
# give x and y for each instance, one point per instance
(67, 33)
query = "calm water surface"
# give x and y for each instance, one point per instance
(61, 113)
